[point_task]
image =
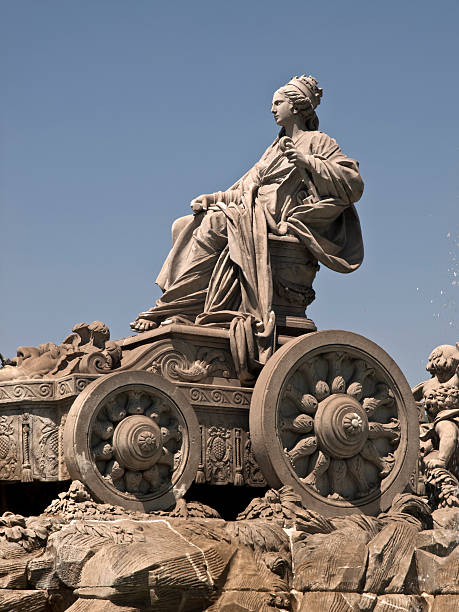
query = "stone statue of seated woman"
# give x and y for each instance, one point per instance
(219, 268)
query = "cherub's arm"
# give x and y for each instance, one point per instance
(418, 391)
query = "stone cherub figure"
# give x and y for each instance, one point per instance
(440, 397)
(218, 271)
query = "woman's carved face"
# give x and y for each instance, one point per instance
(281, 109)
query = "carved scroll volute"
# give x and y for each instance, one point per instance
(95, 363)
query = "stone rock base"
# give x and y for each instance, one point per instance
(369, 602)
(278, 556)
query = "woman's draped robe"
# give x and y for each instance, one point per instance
(218, 271)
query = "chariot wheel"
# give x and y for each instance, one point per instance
(133, 440)
(333, 416)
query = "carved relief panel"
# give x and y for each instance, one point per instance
(10, 442)
(226, 455)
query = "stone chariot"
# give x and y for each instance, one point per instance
(330, 413)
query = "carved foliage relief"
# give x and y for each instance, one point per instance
(8, 447)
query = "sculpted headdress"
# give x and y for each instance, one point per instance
(306, 87)
(305, 96)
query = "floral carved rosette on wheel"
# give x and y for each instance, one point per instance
(331, 417)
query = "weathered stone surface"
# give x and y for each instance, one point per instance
(250, 573)
(331, 562)
(23, 601)
(263, 559)
(446, 603)
(448, 518)
(163, 571)
(437, 574)
(389, 558)
(74, 545)
(13, 573)
(98, 605)
(250, 601)
(440, 542)
(403, 603)
(42, 574)
(334, 602)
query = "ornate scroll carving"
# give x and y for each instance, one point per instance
(175, 365)
(39, 390)
(220, 396)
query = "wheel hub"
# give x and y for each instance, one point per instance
(341, 425)
(137, 443)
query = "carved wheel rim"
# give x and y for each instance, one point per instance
(139, 447)
(332, 419)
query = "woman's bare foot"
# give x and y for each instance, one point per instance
(143, 325)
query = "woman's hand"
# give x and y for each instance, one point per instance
(202, 202)
(296, 157)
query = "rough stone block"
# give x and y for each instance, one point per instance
(389, 558)
(248, 572)
(23, 601)
(13, 573)
(41, 573)
(335, 602)
(447, 518)
(98, 605)
(162, 572)
(440, 542)
(331, 562)
(250, 601)
(446, 603)
(404, 603)
(437, 574)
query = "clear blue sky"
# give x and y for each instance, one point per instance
(115, 114)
